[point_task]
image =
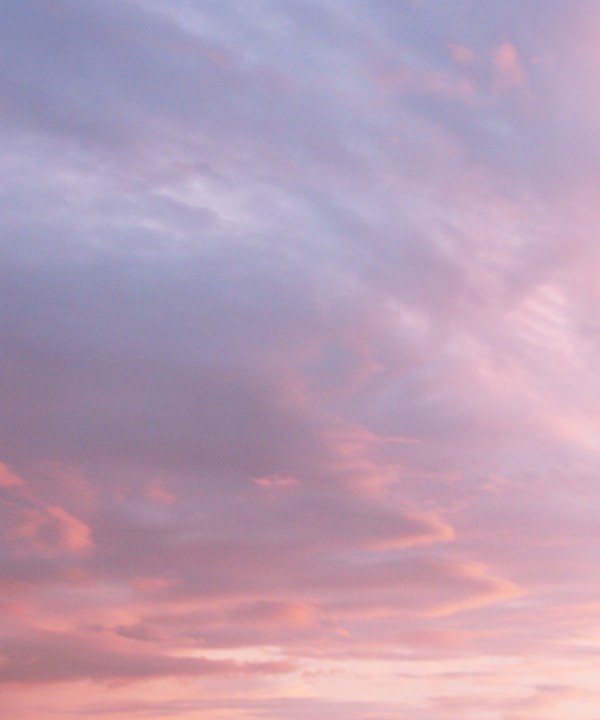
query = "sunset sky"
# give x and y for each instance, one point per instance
(300, 360)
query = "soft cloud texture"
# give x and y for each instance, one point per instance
(298, 360)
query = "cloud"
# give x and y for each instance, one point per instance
(33, 526)
(460, 54)
(508, 68)
(298, 358)
(58, 657)
(8, 479)
(53, 530)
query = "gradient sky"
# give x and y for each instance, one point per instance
(300, 359)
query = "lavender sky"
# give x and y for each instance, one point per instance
(299, 359)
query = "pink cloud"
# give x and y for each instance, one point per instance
(299, 360)
(8, 478)
(461, 54)
(158, 492)
(508, 67)
(150, 585)
(274, 481)
(73, 534)
(59, 657)
(275, 612)
(48, 529)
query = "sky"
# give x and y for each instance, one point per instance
(299, 345)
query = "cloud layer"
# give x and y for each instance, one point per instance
(298, 360)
